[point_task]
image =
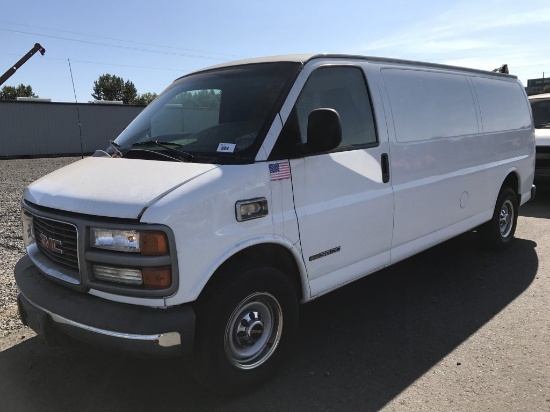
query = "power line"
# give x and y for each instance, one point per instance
(124, 65)
(533, 65)
(112, 45)
(121, 40)
(180, 70)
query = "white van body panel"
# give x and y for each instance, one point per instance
(201, 214)
(102, 186)
(342, 207)
(442, 182)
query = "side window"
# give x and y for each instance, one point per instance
(502, 104)
(341, 88)
(430, 105)
(344, 90)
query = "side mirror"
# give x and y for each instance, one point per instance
(324, 131)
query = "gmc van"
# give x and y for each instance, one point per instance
(250, 187)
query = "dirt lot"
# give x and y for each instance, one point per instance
(452, 329)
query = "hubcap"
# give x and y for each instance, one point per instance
(506, 220)
(250, 330)
(253, 331)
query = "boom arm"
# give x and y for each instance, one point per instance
(37, 48)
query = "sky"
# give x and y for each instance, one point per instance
(151, 43)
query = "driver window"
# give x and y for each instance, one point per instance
(340, 88)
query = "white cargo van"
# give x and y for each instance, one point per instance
(247, 188)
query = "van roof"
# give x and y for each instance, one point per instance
(304, 58)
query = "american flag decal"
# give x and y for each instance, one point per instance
(279, 171)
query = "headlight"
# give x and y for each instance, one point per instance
(143, 242)
(134, 241)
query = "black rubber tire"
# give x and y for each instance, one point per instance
(499, 231)
(212, 362)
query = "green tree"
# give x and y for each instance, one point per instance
(129, 93)
(12, 93)
(111, 87)
(145, 98)
(209, 99)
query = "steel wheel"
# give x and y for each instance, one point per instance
(253, 331)
(498, 232)
(240, 337)
(506, 220)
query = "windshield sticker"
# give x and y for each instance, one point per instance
(226, 147)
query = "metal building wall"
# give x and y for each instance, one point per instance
(49, 129)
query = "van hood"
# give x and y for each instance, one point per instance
(103, 186)
(542, 137)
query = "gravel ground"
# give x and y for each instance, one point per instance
(15, 175)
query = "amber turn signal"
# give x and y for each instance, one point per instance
(153, 243)
(156, 278)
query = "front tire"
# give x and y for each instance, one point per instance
(499, 231)
(244, 327)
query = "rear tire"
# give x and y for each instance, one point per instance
(244, 327)
(499, 231)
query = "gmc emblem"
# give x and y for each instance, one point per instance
(53, 245)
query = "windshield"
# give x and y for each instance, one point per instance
(541, 113)
(218, 116)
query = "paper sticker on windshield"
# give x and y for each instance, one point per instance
(226, 147)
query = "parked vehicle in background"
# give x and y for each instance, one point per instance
(249, 187)
(540, 105)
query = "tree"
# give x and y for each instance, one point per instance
(129, 93)
(145, 98)
(546, 89)
(12, 93)
(209, 99)
(111, 87)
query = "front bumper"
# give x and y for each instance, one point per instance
(52, 310)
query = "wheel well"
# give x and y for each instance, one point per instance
(512, 181)
(274, 255)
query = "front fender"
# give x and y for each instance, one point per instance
(235, 249)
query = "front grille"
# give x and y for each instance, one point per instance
(58, 241)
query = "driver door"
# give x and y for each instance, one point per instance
(343, 203)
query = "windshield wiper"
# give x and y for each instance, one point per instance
(116, 146)
(166, 145)
(231, 159)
